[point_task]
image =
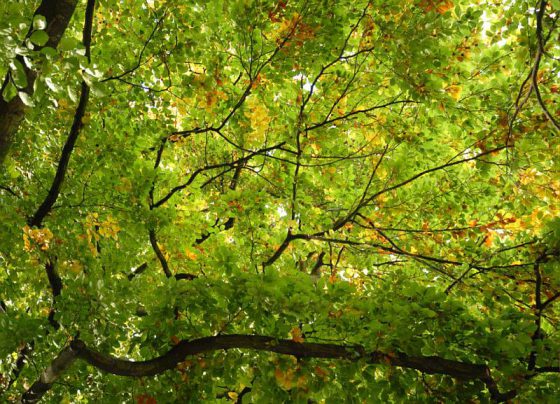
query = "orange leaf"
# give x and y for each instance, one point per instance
(440, 6)
(489, 238)
(284, 379)
(145, 399)
(444, 6)
(322, 373)
(190, 255)
(297, 335)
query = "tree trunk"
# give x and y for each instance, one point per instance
(57, 14)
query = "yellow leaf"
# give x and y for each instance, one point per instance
(454, 91)
(42, 237)
(233, 395)
(259, 118)
(316, 148)
(72, 266)
(26, 243)
(440, 6)
(191, 255)
(125, 185)
(342, 104)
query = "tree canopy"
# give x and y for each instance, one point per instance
(272, 201)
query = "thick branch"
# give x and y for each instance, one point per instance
(177, 354)
(75, 130)
(55, 283)
(56, 185)
(62, 362)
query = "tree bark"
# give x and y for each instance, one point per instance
(177, 354)
(57, 14)
(62, 362)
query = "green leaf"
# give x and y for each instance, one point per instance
(10, 91)
(25, 98)
(51, 84)
(39, 38)
(352, 170)
(18, 74)
(39, 22)
(68, 44)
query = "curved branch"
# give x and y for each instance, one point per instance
(169, 360)
(232, 164)
(57, 367)
(77, 124)
(356, 112)
(341, 222)
(535, 71)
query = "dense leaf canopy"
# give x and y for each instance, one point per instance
(277, 201)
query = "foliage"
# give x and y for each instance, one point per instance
(281, 201)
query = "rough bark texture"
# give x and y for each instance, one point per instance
(57, 14)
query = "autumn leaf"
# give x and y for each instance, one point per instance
(41, 237)
(489, 238)
(444, 5)
(380, 173)
(191, 255)
(297, 335)
(145, 399)
(322, 373)
(440, 6)
(109, 228)
(259, 119)
(454, 91)
(284, 378)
